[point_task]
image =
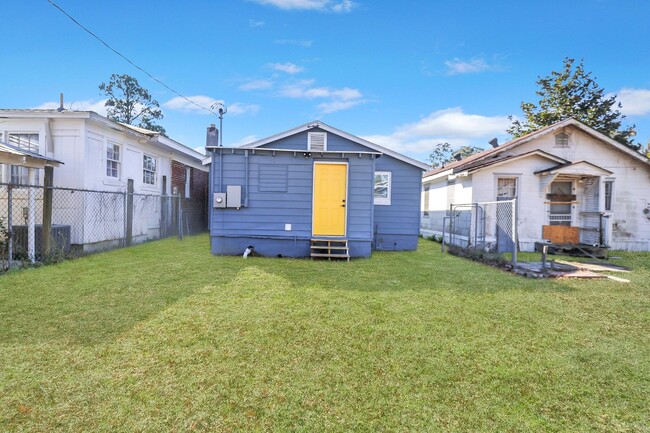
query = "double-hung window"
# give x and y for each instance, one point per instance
(149, 164)
(382, 187)
(27, 141)
(609, 193)
(113, 160)
(506, 188)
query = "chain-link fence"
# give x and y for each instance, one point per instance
(45, 224)
(489, 227)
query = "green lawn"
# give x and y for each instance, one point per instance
(166, 337)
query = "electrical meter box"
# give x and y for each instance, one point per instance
(219, 199)
(233, 196)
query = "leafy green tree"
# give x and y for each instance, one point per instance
(443, 154)
(130, 103)
(572, 92)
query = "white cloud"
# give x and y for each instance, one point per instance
(256, 85)
(338, 6)
(238, 108)
(336, 99)
(288, 68)
(300, 43)
(451, 125)
(458, 66)
(635, 102)
(88, 105)
(200, 103)
(245, 140)
(254, 24)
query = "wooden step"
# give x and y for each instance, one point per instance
(330, 249)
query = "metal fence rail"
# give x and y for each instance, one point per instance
(49, 223)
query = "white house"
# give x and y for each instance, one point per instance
(573, 184)
(101, 155)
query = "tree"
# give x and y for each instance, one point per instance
(443, 154)
(572, 92)
(130, 103)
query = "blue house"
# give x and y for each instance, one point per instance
(313, 191)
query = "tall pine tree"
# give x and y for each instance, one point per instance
(572, 92)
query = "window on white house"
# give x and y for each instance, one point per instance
(188, 179)
(609, 193)
(562, 139)
(506, 188)
(29, 141)
(426, 200)
(113, 160)
(317, 141)
(382, 187)
(149, 170)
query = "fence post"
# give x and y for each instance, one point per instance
(515, 240)
(163, 209)
(10, 255)
(180, 218)
(31, 215)
(451, 225)
(46, 230)
(129, 212)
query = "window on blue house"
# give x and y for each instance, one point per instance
(382, 187)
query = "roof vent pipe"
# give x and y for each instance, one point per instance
(60, 109)
(458, 156)
(494, 142)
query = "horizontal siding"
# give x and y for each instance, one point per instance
(269, 211)
(402, 216)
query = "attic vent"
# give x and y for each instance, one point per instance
(317, 141)
(562, 139)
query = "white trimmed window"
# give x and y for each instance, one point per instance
(609, 194)
(506, 187)
(317, 141)
(113, 160)
(149, 164)
(28, 141)
(382, 187)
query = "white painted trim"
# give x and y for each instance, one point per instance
(382, 201)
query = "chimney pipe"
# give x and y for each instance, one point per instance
(212, 136)
(60, 109)
(458, 156)
(494, 142)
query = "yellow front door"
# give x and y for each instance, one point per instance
(330, 187)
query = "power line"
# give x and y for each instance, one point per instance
(127, 59)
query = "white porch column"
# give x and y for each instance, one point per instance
(31, 215)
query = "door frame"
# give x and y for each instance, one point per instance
(313, 197)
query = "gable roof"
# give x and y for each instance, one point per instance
(328, 128)
(464, 163)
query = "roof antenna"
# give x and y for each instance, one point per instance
(60, 109)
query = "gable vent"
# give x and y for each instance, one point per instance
(317, 141)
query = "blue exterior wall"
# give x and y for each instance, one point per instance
(397, 226)
(280, 192)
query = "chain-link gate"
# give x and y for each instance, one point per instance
(485, 226)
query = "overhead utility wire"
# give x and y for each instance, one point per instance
(125, 58)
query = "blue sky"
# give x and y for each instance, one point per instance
(405, 74)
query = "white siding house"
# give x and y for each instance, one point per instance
(97, 154)
(573, 185)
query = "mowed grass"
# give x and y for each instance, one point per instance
(166, 337)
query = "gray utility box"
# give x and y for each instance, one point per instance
(233, 196)
(219, 199)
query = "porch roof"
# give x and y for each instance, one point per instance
(10, 154)
(578, 168)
